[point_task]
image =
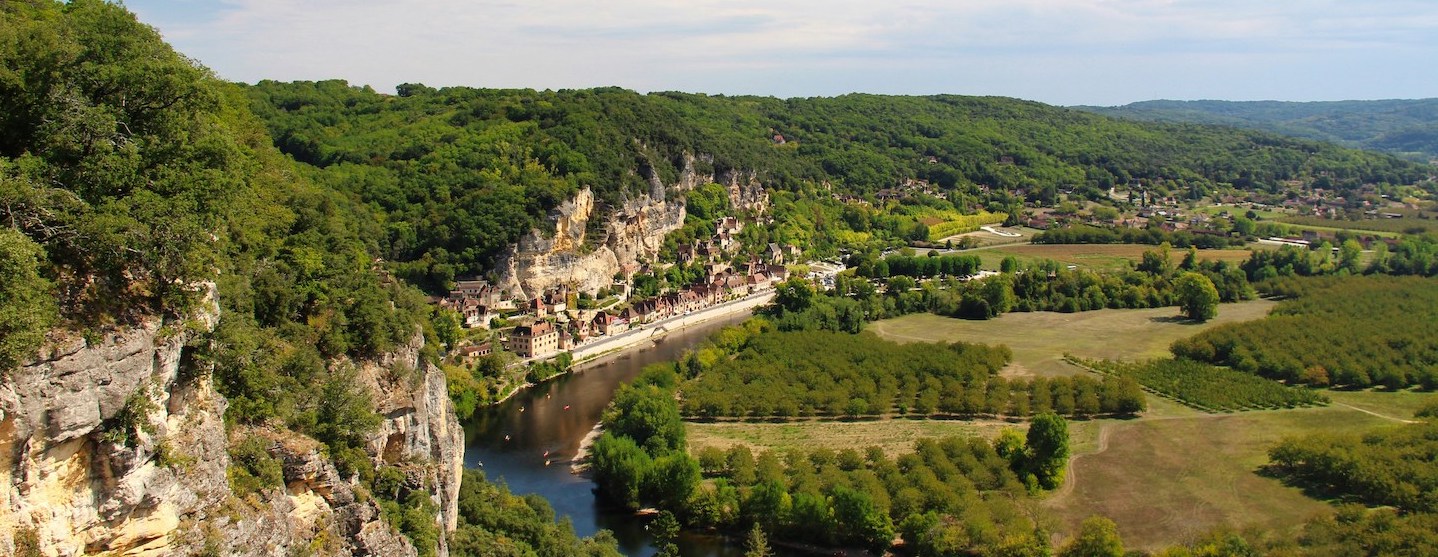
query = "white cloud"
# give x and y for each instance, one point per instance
(1110, 50)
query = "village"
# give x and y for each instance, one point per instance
(563, 320)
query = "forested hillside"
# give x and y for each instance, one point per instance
(460, 173)
(1402, 127)
(136, 188)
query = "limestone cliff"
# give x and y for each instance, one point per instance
(117, 446)
(566, 253)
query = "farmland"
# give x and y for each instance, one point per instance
(1207, 387)
(1040, 339)
(1176, 474)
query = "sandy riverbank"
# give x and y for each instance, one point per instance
(580, 463)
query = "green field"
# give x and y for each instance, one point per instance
(1379, 227)
(1168, 478)
(1040, 339)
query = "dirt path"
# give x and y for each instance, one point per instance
(1375, 414)
(1105, 431)
(1071, 474)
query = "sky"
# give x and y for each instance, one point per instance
(1065, 52)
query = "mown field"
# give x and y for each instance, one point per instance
(1040, 339)
(1178, 473)
(1094, 256)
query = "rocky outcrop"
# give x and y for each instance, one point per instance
(566, 252)
(117, 445)
(317, 509)
(420, 429)
(109, 445)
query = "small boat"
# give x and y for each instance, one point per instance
(506, 437)
(566, 407)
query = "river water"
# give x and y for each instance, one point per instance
(529, 441)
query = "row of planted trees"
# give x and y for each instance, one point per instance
(934, 496)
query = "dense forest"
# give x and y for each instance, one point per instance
(131, 180)
(459, 174)
(1403, 127)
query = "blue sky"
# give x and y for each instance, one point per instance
(1056, 51)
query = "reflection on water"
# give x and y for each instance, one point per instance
(529, 441)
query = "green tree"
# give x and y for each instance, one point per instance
(1348, 255)
(1098, 537)
(1197, 297)
(1047, 445)
(862, 522)
(1244, 226)
(648, 415)
(619, 467)
(27, 306)
(756, 544)
(665, 529)
(794, 295)
(671, 480)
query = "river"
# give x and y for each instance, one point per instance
(528, 442)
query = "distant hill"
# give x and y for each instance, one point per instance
(461, 173)
(1407, 128)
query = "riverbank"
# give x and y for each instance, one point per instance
(606, 349)
(580, 462)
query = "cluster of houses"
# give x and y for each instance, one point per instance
(548, 324)
(552, 328)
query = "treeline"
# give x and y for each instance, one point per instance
(493, 521)
(1042, 286)
(949, 495)
(1410, 255)
(819, 373)
(1087, 234)
(1391, 466)
(920, 266)
(1342, 331)
(460, 173)
(1206, 387)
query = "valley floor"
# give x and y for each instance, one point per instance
(1165, 477)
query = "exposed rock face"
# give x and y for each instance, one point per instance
(565, 254)
(420, 428)
(81, 433)
(119, 448)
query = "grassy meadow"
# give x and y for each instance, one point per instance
(1177, 473)
(1040, 339)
